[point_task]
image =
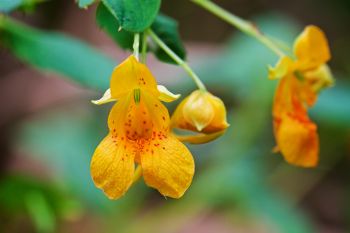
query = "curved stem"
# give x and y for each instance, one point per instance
(177, 59)
(243, 25)
(136, 45)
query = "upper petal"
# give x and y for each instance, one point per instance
(311, 48)
(130, 75)
(168, 166)
(112, 166)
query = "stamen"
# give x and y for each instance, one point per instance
(137, 96)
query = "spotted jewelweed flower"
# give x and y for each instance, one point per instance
(139, 133)
(201, 112)
(301, 79)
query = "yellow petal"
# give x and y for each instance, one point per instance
(199, 138)
(106, 98)
(311, 48)
(298, 141)
(168, 166)
(286, 89)
(131, 75)
(166, 95)
(320, 78)
(284, 66)
(138, 120)
(112, 166)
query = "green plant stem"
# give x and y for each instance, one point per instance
(177, 59)
(144, 47)
(136, 45)
(243, 25)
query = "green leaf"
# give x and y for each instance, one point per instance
(9, 5)
(110, 24)
(167, 30)
(165, 27)
(57, 52)
(85, 3)
(134, 15)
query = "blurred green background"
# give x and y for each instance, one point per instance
(50, 70)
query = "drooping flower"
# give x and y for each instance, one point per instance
(200, 112)
(139, 133)
(301, 80)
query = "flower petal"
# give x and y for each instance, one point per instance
(200, 138)
(112, 166)
(131, 75)
(168, 166)
(311, 48)
(166, 95)
(298, 141)
(106, 98)
(320, 78)
(284, 66)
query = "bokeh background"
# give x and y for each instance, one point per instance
(49, 129)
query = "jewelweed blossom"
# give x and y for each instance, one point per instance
(301, 80)
(200, 112)
(139, 133)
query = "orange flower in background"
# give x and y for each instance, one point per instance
(201, 112)
(301, 80)
(139, 134)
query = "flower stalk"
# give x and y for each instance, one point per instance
(177, 59)
(136, 45)
(243, 25)
(144, 47)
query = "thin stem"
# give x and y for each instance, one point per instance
(144, 47)
(243, 25)
(177, 59)
(136, 45)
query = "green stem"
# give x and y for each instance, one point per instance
(177, 59)
(243, 25)
(136, 45)
(144, 47)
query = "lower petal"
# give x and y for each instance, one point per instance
(298, 141)
(168, 166)
(112, 166)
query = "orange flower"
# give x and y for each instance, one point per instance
(301, 80)
(139, 133)
(200, 112)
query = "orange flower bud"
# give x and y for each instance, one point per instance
(201, 112)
